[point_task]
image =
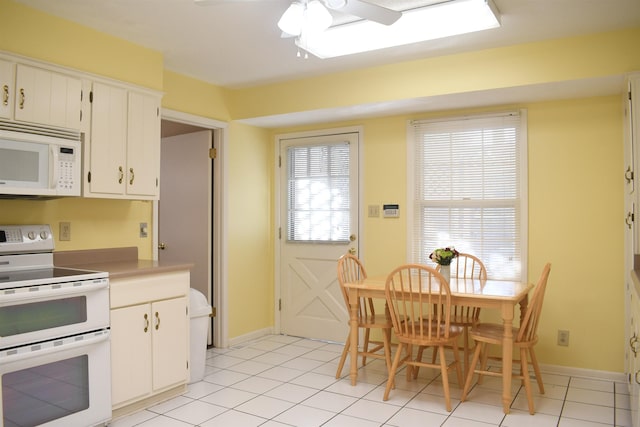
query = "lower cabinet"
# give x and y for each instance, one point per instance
(149, 338)
(633, 353)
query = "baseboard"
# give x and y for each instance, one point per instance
(239, 340)
(585, 373)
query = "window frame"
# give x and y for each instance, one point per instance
(521, 154)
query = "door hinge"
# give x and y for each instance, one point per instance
(158, 112)
(629, 94)
(213, 153)
(279, 161)
(280, 304)
(89, 177)
(157, 182)
(91, 96)
(279, 233)
(214, 312)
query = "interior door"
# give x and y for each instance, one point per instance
(184, 209)
(319, 223)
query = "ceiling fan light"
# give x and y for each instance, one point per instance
(318, 17)
(336, 4)
(292, 19)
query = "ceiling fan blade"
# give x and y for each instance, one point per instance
(370, 11)
(210, 2)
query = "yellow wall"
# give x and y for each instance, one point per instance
(575, 211)
(250, 230)
(575, 159)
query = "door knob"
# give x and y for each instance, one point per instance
(162, 246)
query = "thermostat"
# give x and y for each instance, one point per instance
(391, 211)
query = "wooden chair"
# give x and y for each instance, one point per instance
(350, 269)
(412, 291)
(524, 338)
(467, 266)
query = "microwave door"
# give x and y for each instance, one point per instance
(25, 168)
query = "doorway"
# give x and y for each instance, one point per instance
(319, 212)
(188, 217)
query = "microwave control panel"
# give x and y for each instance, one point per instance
(68, 169)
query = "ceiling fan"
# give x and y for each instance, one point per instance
(299, 9)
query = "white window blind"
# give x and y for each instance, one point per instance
(469, 190)
(318, 193)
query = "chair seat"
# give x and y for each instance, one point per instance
(493, 333)
(375, 321)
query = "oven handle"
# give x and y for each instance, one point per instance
(20, 356)
(68, 290)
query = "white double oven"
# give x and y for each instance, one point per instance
(55, 367)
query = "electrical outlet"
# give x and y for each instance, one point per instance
(65, 231)
(374, 211)
(563, 338)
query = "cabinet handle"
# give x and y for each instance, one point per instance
(157, 321)
(146, 322)
(629, 219)
(637, 372)
(5, 95)
(132, 176)
(628, 175)
(120, 175)
(22, 98)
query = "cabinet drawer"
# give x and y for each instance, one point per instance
(151, 287)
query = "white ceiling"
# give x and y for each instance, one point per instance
(237, 44)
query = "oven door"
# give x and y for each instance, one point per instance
(64, 382)
(33, 314)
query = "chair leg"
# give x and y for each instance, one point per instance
(416, 369)
(472, 367)
(365, 349)
(466, 348)
(536, 369)
(392, 372)
(525, 377)
(387, 350)
(445, 377)
(409, 357)
(456, 358)
(343, 356)
(484, 356)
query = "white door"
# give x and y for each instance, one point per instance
(184, 209)
(318, 223)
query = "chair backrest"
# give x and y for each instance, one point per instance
(468, 266)
(529, 324)
(350, 269)
(412, 290)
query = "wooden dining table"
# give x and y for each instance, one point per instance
(501, 295)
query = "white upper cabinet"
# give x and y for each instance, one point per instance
(47, 97)
(7, 91)
(143, 145)
(122, 156)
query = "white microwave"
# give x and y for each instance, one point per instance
(39, 165)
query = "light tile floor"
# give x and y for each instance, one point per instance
(287, 381)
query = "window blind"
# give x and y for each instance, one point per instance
(318, 193)
(468, 190)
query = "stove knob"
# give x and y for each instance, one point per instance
(31, 235)
(44, 235)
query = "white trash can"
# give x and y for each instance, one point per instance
(199, 311)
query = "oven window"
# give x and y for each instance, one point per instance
(37, 316)
(44, 393)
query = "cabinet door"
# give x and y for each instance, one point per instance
(7, 91)
(130, 353)
(143, 145)
(170, 342)
(108, 140)
(46, 97)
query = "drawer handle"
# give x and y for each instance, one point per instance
(133, 176)
(157, 321)
(5, 95)
(146, 322)
(22, 97)
(637, 372)
(120, 175)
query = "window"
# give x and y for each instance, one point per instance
(318, 193)
(467, 179)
